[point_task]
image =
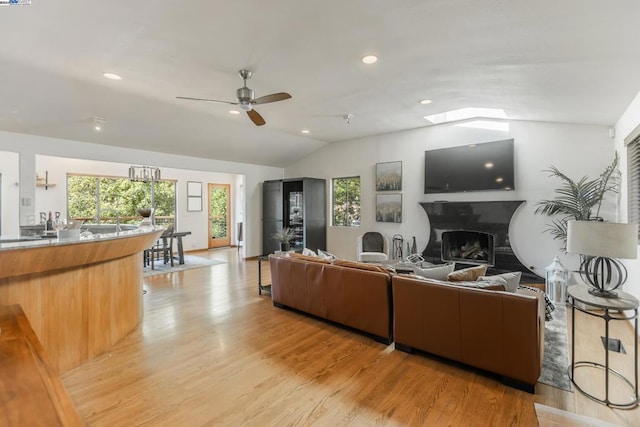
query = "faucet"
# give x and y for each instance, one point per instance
(117, 218)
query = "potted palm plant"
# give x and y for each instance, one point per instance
(580, 200)
(285, 235)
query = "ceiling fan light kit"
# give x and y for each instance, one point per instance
(246, 99)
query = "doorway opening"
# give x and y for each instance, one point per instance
(219, 215)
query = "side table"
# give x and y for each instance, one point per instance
(625, 301)
(261, 287)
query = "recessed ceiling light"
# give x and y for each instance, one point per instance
(370, 59)
(305, 131)
(426, 101)
(112, 76)
(488, 165)
(236, 112)
(499, 179)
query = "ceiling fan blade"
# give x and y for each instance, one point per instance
(255, 117)
(208, 100)
(280, 96)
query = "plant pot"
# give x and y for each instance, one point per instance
(284, 246)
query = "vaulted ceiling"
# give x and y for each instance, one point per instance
(574, 61)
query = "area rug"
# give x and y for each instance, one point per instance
(190, 262)
(556, 351)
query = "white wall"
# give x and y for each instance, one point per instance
(36, 153)
(576, 150)
(629, 120)
(10, 192)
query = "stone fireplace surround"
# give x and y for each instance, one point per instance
(490, 217)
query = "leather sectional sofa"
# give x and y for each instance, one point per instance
(360, 299)
(497, 331)
(494, 330)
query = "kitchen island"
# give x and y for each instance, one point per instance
(80, 295)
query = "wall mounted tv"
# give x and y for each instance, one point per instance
(474, 167)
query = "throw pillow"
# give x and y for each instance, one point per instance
(326, 255)
(512, 279)
(359, 265)
(309, 252)
(437, 273)
(470, 274)
(494, 280)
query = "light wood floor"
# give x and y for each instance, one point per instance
(210, 351)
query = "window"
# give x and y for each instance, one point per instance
(346, 201)
(633, 180)
(93, 197)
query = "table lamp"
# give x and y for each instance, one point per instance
(599, 244)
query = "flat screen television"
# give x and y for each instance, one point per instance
(474, 167)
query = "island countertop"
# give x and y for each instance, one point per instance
(46, 254)
(80, 295)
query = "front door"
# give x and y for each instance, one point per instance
(219, 196)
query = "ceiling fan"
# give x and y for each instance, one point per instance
(246, 99)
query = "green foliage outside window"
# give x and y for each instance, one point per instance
(88, 195)
(219, 224)
(346, 201)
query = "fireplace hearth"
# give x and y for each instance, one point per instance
(455, 225)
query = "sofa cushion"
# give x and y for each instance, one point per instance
(470, 274)
(359, 265)
(439, 272)
(512, 280)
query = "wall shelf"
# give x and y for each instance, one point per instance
(45, 186)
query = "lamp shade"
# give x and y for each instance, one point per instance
(603, 239)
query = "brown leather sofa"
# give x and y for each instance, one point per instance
(353, 297)
(497, 331)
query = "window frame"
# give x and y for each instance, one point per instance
(633, 179)
(348, 201)
(124, 218)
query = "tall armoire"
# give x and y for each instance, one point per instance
(298, 203)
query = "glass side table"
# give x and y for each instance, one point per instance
(624, 302)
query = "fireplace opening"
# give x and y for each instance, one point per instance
(472, 247)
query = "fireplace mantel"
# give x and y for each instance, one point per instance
(491, 217)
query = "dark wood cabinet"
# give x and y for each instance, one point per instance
(297, 203)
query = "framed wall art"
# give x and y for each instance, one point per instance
(389, 176)
(194, 196)
(194, 189)
(388, 207)
(194, 204)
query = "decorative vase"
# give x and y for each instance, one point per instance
(146, 222)
(284, 246)
(414, 246)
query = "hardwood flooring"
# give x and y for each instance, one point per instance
(210, 351)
